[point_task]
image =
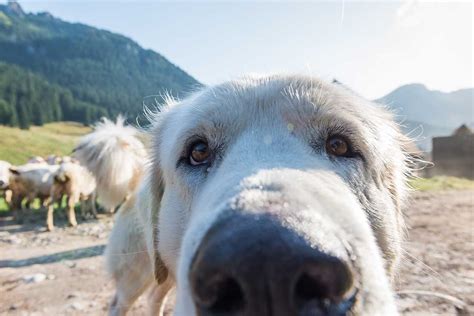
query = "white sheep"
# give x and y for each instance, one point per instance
(5, 190)
(30, 181)
(78, 184)
(36, 159)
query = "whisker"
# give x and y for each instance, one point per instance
(460, 306)
(436, 276)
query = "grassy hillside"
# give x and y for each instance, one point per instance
(59, 138)
(441, 183)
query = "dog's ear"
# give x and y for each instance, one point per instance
(147, 202)
(156, 184)
(157, 190)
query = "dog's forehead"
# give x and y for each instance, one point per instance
(265, 96)
(280, 98)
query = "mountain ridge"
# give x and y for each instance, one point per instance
(447, 109)
(99, 67)
(438, 113)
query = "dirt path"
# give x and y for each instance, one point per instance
(61, 273)
(58, 273)
(439, 252)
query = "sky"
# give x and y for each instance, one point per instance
(372, 46)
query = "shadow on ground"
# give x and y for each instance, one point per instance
(80, 253)
(34, 220)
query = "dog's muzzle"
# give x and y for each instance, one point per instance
(253, 265)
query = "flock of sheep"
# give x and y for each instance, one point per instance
(49, 180)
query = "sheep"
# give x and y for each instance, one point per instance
(5, 190)
(78, 184)
(30, 181)
(36, 159)
(53, 160)
(64, 159)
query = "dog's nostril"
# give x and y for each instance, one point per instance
(220, 295)
(230, 297)
(310, 288)
(323, 286)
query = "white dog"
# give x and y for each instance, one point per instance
(276, 195)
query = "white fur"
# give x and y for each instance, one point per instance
(271, 131)
(30, 181)
(4, 174)
(78, 184)
(5, 191)
(38, 177)
(36, 159)
(115, 156)
(82, 181)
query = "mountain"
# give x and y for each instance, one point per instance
(98, 68)
(422, 133)
(430, 112)
(418, 103)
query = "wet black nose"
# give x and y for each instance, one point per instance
(254, 266)
(2, 183)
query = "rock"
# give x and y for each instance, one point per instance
(70, 264)
(12, 240)
(13, 307)
(74, 295)
(77, 306)
(34, 278)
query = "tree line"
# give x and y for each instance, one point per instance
(27, 99)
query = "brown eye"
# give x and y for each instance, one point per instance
(337, 146)
(199, 154)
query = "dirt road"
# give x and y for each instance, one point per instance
(61, 273)
(439, 252)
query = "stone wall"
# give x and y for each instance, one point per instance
(453, 156)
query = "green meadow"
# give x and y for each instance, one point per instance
(17, 145)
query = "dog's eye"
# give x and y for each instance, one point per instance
(199, 153)
(338, 146)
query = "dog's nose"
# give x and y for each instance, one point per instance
(254, 266)
(1, 183)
